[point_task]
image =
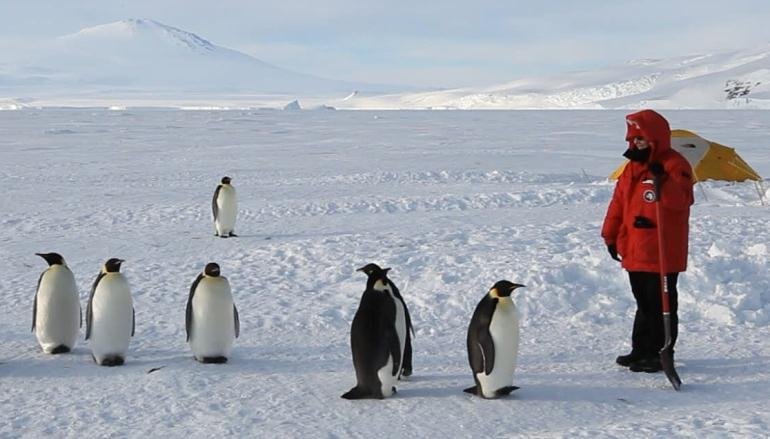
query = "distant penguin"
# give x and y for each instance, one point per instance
(493, 342)
(110, 319)
(211, 321)
(225, 208)
(377, 337)
(56, 314)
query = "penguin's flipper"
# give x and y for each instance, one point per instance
(237, 321)
(475, 357)
(406, 365)
(481, 348)
(89, 310)
(214, 207)
(189, 311)
(395, 352)
(503, 391)
(487, 346)
(133, 321)
(34, 304)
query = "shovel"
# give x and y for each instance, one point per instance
(666, 358)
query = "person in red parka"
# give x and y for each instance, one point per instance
(630, 231)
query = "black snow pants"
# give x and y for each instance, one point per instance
(648, 336)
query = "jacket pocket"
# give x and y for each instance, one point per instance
(644, 245)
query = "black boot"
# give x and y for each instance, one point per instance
(626, 360)
(649, 365)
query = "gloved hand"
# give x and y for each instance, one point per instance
(613, 250)
(656, 169)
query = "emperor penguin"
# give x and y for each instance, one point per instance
(493, 342)
(56, 314)
(225, 208)
(377, 337)
(110, 318)
(211, 321)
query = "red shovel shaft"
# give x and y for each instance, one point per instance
(666, 358)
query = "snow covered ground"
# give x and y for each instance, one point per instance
(452, 201)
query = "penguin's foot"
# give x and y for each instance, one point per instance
(112, 360)
(61, 349)
(503, 391)
(360, 393)
(213, 360)
(472, 390)
(232, 234)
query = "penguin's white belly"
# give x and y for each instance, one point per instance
(213, 320)
(504, 329)
(388, 380)
(111, 317)
(385, 374)
(227, 209)
(57, 321)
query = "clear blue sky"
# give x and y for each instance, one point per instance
(426, 43)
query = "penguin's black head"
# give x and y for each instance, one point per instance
(225, 180)
(113, 265)
(503, 288)
(212, 269)
(52, 258)
(375, 273)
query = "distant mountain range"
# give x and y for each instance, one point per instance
(739, 79)
(144, 62)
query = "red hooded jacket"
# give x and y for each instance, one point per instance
(634, 197)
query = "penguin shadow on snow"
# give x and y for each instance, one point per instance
(433, 386)
(574, 393)
(312, 360)
(75, 363)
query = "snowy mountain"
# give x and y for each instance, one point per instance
(145, 55)
(140, 62)
(738, 79)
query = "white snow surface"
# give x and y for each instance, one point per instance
(452, 201)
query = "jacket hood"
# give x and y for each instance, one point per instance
(653, 127)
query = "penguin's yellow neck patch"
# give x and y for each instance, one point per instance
(502, 300)
(380, 285)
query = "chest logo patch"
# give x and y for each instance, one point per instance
(649, 196)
